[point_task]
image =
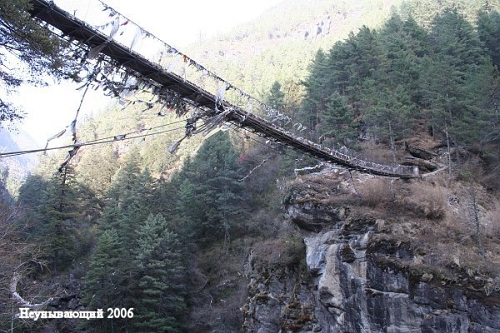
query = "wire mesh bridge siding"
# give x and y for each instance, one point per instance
(212, 105)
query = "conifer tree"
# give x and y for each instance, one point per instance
(337, 121)
(488, 26)
(317, 93)
(104, 277)
(31, 199)
(210, 195)
(161, 272)
(405, 44)
(98, 167)
(127, 206)
(51, 208)
(276, 97)
(24, 38)
(128, 201)
(457, 60)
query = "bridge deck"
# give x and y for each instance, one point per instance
(78, 30)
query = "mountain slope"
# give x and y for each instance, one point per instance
(15, 169)
(280, 44)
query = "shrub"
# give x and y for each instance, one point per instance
(280, 253)
(426, 201)
(492, 224)
(375, 192)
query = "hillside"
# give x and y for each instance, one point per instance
(281, 44)
(16, 169)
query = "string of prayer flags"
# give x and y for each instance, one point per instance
(219, 98)
(56, 136)
(175, 145)
(71, 154)
(171, 61)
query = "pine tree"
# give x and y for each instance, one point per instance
(128, 201)
(161, 287)
(52, 210)
(26, 39)
(276, 98)
(31, 199)
(210, 195)
(337, 122)
(104, 277)
(488, 26)
(405, 44)
(65, 215)
(317, 93)
(127, 207)
(98, 167)
(457, 59)
(368, 56)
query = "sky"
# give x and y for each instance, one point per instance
(178, 23)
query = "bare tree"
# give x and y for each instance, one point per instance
(474, 212)
(17, 260)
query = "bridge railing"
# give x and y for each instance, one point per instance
(343, 156)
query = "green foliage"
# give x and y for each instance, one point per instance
(128, 201)
(337, 122)
(458, 63)
(488, 26)
(316, 98)
(144, 257)
(276, 98)
(98, 165)
(161, 274)
(51, 210)
(382, 82)
(27, 40)
(104, 278)
(211, 200)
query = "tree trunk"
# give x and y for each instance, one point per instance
(475, 217)
(393, 146)
(449, 154)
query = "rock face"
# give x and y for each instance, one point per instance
(364, 291)
(357, 279)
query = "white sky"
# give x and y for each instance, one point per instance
(178, 23)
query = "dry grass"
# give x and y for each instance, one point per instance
(396, 198)
(439, 221)
(426, 201)
(375, 192)
(492, 219)
(381, 152)
(279, 253)
(436, 217)
(452, 242)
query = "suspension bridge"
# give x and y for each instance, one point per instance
(174, 89)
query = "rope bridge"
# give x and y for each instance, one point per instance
(121, 66)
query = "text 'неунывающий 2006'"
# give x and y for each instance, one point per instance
(111, 313)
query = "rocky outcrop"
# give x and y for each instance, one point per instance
(357, 278)
(367, 286)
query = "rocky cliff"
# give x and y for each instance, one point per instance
(367, 267)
